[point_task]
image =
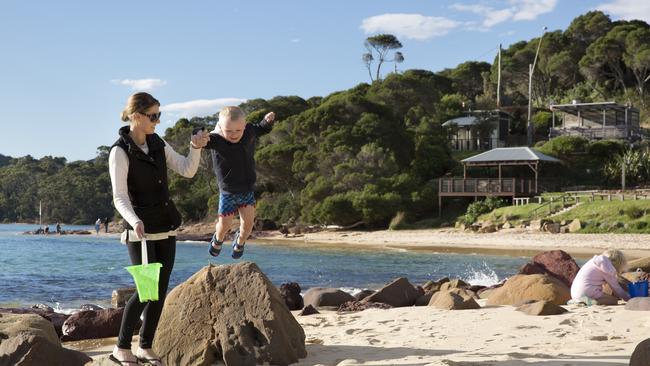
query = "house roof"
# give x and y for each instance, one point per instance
(461, 121)
(592, 111)
(510, 154)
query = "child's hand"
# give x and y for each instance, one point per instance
(269, 117)
(200, 139)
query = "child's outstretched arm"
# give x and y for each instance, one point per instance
(265, 125)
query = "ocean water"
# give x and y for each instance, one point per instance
(67, 271)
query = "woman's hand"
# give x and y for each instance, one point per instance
(139, 229)
(200, 139)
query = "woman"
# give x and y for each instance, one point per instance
(599, 270)
(138, 164)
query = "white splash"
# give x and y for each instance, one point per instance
(484, 276)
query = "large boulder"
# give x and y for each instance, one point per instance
(643, 263)
(57, 319)
(398, 293)
(641, 354)
(290, 292)
(325, 296)
(557, 263)
(541, 308)
(454, 299)
(522, 288)
(30, 340)
(231, 314)
(92, 324)
(638, 304)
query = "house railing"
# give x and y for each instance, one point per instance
(473, 144)
(596, 133)
(485, 186)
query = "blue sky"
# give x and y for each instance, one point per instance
(67, 67)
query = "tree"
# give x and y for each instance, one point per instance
(398, 58)
(637, 58)
(381, 44)
(467, 78)
(367, 60)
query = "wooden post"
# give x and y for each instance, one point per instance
(464, 171)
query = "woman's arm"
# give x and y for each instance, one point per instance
(185, 166)
(118, 168)
(612, 280)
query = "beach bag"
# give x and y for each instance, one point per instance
(638, 288)
(146, 276)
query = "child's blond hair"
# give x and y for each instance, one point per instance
(231, 113)
(617, 258)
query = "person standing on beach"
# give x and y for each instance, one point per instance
(106, 221)
(98, 225)
(233, 149)
(138, 163)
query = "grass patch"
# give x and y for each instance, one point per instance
(614, 216)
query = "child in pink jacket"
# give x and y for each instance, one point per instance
(599, 270)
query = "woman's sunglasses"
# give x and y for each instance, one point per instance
(152, 117)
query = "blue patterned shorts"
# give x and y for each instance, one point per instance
(229, 204)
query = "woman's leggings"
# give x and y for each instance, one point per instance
(161, 251)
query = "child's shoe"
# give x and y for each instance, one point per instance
(215, 246)
(237, 249)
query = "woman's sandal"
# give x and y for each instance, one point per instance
(150, 361)
(215, 246)
(237, 249)
(124, 362)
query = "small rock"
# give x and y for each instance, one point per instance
(454, 299)
(363, 294)
(121, 296)
(362, 305)
(541, 308)
(575, 226)
(308, 310)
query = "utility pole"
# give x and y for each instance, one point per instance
(499, 78)
(531, 68)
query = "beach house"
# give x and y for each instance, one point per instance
(479, 130)
(596, 121)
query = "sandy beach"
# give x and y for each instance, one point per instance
(519, 242)
(585, 336)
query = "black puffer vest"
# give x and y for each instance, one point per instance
(147, 184)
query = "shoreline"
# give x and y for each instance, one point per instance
(513, 242)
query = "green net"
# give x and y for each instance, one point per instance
(146, 280)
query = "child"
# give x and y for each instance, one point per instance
(233, 148)
(595, 273)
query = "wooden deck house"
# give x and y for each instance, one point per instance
(596, 121)
(499, 186)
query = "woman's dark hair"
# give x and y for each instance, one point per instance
(138, 103)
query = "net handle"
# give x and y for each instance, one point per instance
(143, 248)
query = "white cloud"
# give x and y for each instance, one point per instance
(140, 84)
(199, 108)
(531, 9)
(627, 9)
(518, 10)
(295, 40)
(413, 26)
(495, 17)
